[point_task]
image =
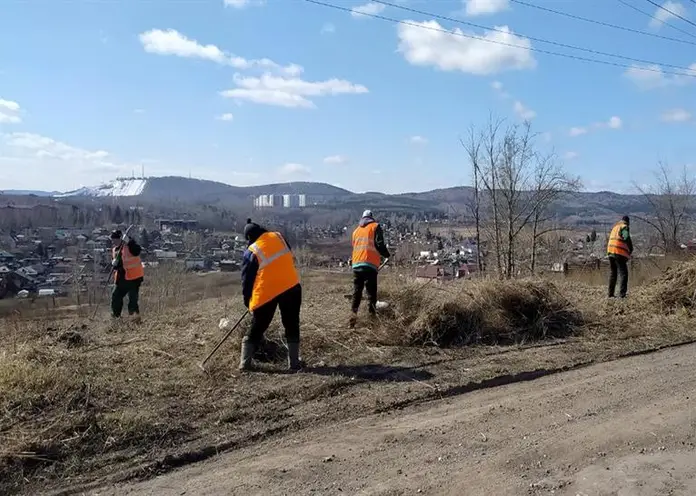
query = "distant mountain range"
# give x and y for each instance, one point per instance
(24, 192)
(575, 208)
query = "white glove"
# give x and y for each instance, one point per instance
(114, 263)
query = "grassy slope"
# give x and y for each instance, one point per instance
(82, 400)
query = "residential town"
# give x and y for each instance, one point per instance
(54, 262)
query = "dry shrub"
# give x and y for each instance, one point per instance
(478, 312)
(676, 289)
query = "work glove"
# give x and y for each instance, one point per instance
(115, 262)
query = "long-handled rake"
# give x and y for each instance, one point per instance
(224, 338)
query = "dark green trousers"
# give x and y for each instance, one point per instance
(121, 290)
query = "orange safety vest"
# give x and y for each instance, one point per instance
(617, 246)
(276, 272)
(132, 265)
(364, 250)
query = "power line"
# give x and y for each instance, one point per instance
(653, 17)
(678, 16)
(539, 40)
(602, 23)
(512, 45)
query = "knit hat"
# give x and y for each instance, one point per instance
(252, 230)
(117, 234)
(626, 219)
(368, 213)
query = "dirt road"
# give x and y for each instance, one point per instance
(621, 428)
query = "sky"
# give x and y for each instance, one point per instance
(260, 91)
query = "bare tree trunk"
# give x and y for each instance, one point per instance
(477, 219)
(473, 148)
(535, 230)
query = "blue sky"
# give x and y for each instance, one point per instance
(258, 91)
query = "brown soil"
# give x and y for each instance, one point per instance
(619, 428)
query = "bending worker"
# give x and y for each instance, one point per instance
(368, 246)
(619, 250)
(270, 280)
(128, 274)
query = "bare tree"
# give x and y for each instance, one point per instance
(551, 182)
(489, 179)
(671, 200)
(473, 149)
(520, 184)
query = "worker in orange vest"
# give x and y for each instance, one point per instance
(619, 250)
(270, 280)
(128, 274)
(368, 246)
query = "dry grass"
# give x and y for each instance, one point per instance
(675, 290)
(478, 312)
(81, 399)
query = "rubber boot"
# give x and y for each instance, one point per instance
(294, 362)
(353, 320)
(247, 354)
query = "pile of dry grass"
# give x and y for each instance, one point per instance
(676, 289)
(478, 312)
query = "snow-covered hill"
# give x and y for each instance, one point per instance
(117, 187)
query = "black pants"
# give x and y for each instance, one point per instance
(365, 278)
(619, 267)
(122, 289)
(290, 303)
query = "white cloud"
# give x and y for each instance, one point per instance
(225, 117)
(676, 115)
(523, 112)
(475, 8)
(336, 159)
(139, 111)
(292, 169)
(418, 140)
(9, 112)
(288, 92)
(370, 8)
(328, 28)
(428, 44)
(497, 85)
(43, 156)
(614, 123)
(652, 76)
(240, 4)
(662, 15)
(171, 42)
(570, 155)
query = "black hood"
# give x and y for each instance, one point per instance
(252, 231)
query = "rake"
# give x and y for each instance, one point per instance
(224, 338)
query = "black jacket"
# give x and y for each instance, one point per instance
(250, 265)
(135, 250)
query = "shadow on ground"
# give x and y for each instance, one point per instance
(373, 372)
